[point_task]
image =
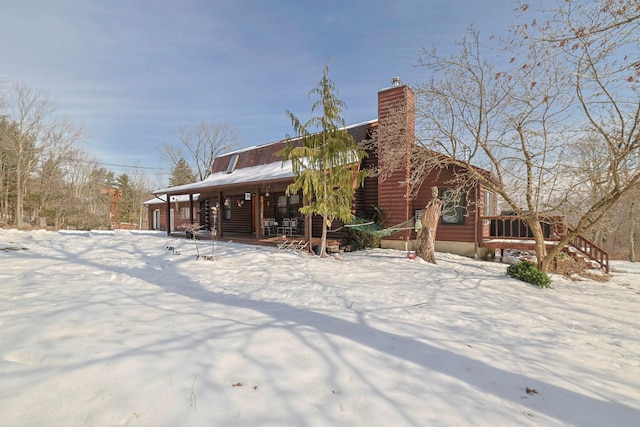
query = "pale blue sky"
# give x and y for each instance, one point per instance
(133, 71)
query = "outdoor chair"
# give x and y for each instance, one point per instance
(293, 226)
(285, 228)
(269, 226)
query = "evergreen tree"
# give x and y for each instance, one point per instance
(124, 199)
(181, 173)
(325, 159)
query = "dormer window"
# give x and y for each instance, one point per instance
(232, 163)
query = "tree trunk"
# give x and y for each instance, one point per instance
(426, 242)
(544, 260)
(632, 228)
(19, 195)
(323, 239)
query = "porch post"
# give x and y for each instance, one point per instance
(258, 214)
(221, 211)
(191, 209)
(168, 214)
(308, 225)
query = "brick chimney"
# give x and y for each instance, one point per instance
(396, 131)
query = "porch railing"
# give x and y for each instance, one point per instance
(511, 228)
(591, 250)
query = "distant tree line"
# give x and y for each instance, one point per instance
(47, 180)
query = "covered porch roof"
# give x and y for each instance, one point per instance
(270, 172)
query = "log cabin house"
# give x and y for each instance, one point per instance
(244, 198)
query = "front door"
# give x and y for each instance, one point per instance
(156, 219)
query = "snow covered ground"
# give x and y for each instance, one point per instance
(114, 329)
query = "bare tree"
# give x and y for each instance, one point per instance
(633, 223)
(619, 228)
(28, 111)
(599, 42)
(568, 82)
(201, 145)
(7, 169)
(83, 204)
(138, 190)
(35, 137)
(61, 137)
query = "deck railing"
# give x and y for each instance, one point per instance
(510, 227)
(591, 250)
(513, 228)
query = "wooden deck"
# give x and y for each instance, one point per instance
(509, 232)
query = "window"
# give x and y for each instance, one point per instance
(184, 213)
(281, 207)
(453, 206)
(287, 207)
(232, 163)
(294, 205)
(417, 220)
(489, 203)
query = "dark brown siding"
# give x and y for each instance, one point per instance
(365, 198)
(178, 222)
(336, 232)
(241, 215)
(449, 232)
(270, 205)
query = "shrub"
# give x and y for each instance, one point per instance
(357, 239)
(528, 272)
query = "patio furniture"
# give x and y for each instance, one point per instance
(269, 226)
(285, 228)
(293, 226)
(293, 246)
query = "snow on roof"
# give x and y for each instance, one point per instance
(269, 171)
(162, 198)
(368, 122)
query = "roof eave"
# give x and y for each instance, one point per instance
(222, 187)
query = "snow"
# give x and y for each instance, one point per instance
(162, 198)
(114, 329)
(252, 174)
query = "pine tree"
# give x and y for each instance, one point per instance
(325, 162)
(181, 173)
